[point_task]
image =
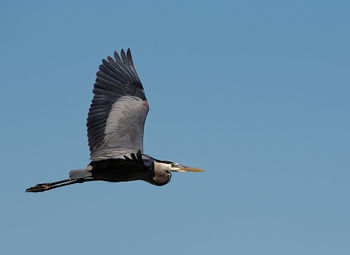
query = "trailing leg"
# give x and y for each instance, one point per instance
(52, 185)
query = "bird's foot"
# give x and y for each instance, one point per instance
(39, 187)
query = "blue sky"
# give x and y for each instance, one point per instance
(255, 92)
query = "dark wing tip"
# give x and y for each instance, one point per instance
(129, 57)
(117, 58)
(105, 62)
(123, 58)
(122, 53)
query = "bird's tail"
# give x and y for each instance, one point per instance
(80, 173)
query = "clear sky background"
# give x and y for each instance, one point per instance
(255, 92)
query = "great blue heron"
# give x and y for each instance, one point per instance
(115, 131)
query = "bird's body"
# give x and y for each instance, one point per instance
(119, 170)
(115, 131)
(138, 167)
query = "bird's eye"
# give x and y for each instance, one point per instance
(172, 164)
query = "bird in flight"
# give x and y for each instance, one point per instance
(115, 127)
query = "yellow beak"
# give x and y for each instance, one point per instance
(186, 169)
(190, 169)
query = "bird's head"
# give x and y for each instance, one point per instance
(163, 169)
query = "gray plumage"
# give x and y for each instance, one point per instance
(115, 127)
(118, 111)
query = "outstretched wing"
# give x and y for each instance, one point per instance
(118, 111)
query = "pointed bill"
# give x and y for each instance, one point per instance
(180, 168)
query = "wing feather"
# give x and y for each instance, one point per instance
(118, 110)
(117, 58)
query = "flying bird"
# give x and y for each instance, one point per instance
(115, 127)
